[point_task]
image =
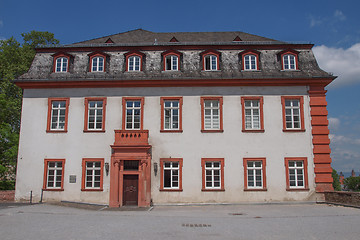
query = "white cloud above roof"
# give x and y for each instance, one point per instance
(343, 63)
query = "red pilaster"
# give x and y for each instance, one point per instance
(321, 141)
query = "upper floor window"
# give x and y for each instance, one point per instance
(133, 113)
(61, 64)
(57, 114)
(95, 114)
(252, 114)
(250, 60)
(293, 113)
(171, 114)
(211, 112)
(134, 61)
(97, 61)
(289, 59)
(210, 60)
(171, 63)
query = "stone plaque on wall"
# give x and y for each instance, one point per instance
(72, 179)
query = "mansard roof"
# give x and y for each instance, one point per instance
(140, 36)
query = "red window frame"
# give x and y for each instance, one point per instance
(171, 53)
(48, 127)
(97, 54)
(305, 165)
(162, 101)
(86, 118)
(289, 52)
(222, 184)
(302, 119)
(162, 161)
(60, 55)
(250, 52)
(263, 162)
(131, 54)
(46, 161)
(142, 101)
(261, 101)
(210, 52)
(202, 103)
(83, 179)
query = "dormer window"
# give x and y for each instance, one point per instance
(210, 60)
(98, 62)
(61, 62)
(134, 61)
(289, 60)
(250, 60)
(171, 60)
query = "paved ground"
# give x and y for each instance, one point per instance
(241, 222)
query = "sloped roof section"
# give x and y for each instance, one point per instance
(140, 36)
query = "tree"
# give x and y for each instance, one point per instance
(15, 60)
(336, 180)
(352, 184)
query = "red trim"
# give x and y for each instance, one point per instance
(46, 161)
(142, 101)
(97, 54)
(48, 126)
(162, 100)
(207, 53)
(289, 52)
(261, 101)
(302, 119)
(263, 162)
(162, 160)
(169, 53)
(86, 118)
(153, 47)
(202, 100)
(32, 84)
(250, 52)
(84, 160)
(131, 54)
(305, 165)
(321, 141)
(222, 164)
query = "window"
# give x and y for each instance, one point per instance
(252, 114)
(211, 114)
(95, 109)
(210, 60)
(296, 174)
(250, 62)
(255, 174)
(212, 174)
(58, 109)
(171, 174)
(54, 174)
(134, 61)
(92, 174)
(61, 64)
(293, 113)
(171, 63)
(171, 114)
(133, 113)
(97, 61)
(289, 59)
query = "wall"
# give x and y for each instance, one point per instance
(233, 145)
(346, 198)
(7, 195)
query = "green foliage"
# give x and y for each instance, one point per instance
(336, 180)
(352, 184)
(7, 185)
(15, 60)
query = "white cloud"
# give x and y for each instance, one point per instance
(315, 21)
(339, 15)
(334, 123)
(344, 63)
(340, 139)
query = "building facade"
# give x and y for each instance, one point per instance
(140, 117)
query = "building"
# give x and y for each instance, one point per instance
(188, 117)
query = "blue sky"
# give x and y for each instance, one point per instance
(332, 25)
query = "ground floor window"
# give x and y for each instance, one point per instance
(255, 173)
(171, 174)
(212, 173)
(92, 176)
(296, 173)
(54, 174)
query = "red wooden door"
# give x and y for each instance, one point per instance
(130, 190)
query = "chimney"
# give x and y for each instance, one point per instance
(353, 173)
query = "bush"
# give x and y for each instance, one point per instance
(352, 184)
(7, 185)
(336, 181)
